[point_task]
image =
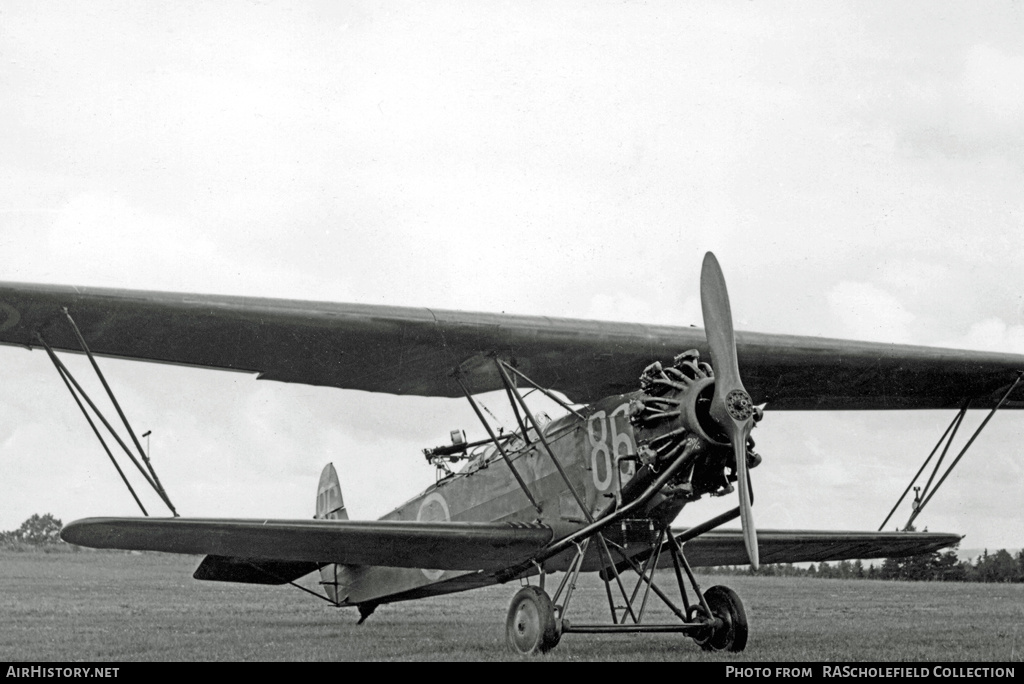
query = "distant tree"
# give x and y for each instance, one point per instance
(997, 567)
(949, 568)
(39, 529)
(890, 569)
(981, 570)
(921, 567)
(1000, 566)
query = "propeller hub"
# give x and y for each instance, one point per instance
(739, 405)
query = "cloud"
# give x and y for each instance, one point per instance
(970, 109)
(867, 312)
(992, 334)
(102, 239)
(914, 277)
(654, 308)
(993, 86)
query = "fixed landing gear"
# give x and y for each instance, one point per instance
(531, 627)
(730, 632)
(716, 621)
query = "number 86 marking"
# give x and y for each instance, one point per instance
(607, 446)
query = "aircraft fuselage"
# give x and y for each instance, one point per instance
(597, 451)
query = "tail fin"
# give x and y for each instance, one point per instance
(329, 504)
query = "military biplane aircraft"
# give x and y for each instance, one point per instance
(656, 428)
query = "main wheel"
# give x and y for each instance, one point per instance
(530, 627)
(725, 604)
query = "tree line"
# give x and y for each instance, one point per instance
(39, 530)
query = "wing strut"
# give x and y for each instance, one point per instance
(922, 497)
(511, 388)
(151, 476)
(954, 426)
(155, 482)
(547, 393)
(498, 444)
(65, 375)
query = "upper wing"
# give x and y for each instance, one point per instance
(725, 547)
(434, 545)
(418, 351)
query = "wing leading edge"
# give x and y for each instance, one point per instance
(417, 351)
(291, 546)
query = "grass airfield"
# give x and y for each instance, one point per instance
(140, 607)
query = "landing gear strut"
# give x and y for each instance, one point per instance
(716, 621)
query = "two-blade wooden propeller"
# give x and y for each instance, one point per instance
(731, 406)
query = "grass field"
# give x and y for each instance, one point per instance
(125, 607)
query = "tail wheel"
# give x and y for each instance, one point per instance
(531, 627)
(725, 604)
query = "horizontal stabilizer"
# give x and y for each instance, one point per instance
(252, 570)
(433, 545)
(725, 547)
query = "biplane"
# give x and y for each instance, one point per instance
(655, 418)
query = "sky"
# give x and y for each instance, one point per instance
(856, 167)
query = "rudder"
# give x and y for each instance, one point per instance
(331, 506)
(329, 503)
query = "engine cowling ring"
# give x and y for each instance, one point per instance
(695, 404)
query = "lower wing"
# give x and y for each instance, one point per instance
(725, 547)
(286, 549)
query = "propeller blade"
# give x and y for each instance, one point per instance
(746, 502)
(731, 406)
(714, 304)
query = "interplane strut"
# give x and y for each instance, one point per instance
(923, 496)
(77, 391)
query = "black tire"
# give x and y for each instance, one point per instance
(726, 605)
(530, 627)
